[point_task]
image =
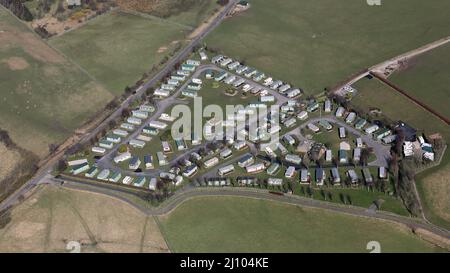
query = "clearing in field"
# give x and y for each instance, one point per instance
(53, 216)
(427, 78)
(118, 48)
(43, 96)
(234, 224)
(318, 43)
(375, 94)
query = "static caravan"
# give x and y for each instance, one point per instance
(127, 126)
(115, 177)
(120, 132)
(148, 161)
(136, 143)
(302, 115)
(226, 153)
(371, 129)
(357, 154)
(350, 117)
(113, 138)
(367, 176)
(193, 62)
(183, 73)
(105, 144)
(221, 76)
(203, 56)
(77, 162)
(161, 93)
(320, 176)
(342, 132)
(91, 172)
(226, 170)
(327, 106)
(275, 181)
(290, 172)
(313, 127)
(162, 159)
(238, 82)
(157, 125)
(255, 168)
(273, 168)
(190, 171)
(216, 59)
(285, 87)
(312, 106)
(342, 156)
(340, 112)
(152, 184)
(353, 176)
(139, 114)
(211, 162)
(335, 176)
(382, 173)
(134, 120)
(103, 175)
(122, 157)
(143, 138)
(166, 146)
(150, 130)
(246, 160)
(360, 123)
(233, 65)
(127, 180)
(325, 124)
(140, 181)
(295, 159)
(289, 139)
(135, 162)
(328, 155)
(304, 176)
(80, 168)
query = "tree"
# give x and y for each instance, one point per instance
(61, 165)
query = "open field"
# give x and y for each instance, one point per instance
(54, 216)
(186, 12)
(230, 224)
(374, 93)
(120, 59)
(42, 94)
(427, 78)
(434, 188)
(317, 43)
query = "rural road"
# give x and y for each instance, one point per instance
(192, 192)
(14, 198)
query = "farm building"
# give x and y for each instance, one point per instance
(409, 132)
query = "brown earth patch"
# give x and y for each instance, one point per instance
(161, 49)
(16, 63)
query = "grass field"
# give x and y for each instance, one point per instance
(230, 224)
(434, 188)
(118, 48)
(373, 93)
(42, 94)
(427, 78)
(53, 216)
(318, 43)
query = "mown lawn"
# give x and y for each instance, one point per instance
(118, 48)
(233, 224)
(317, 43)
(428, 79)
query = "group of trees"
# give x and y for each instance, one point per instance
(18, 8)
